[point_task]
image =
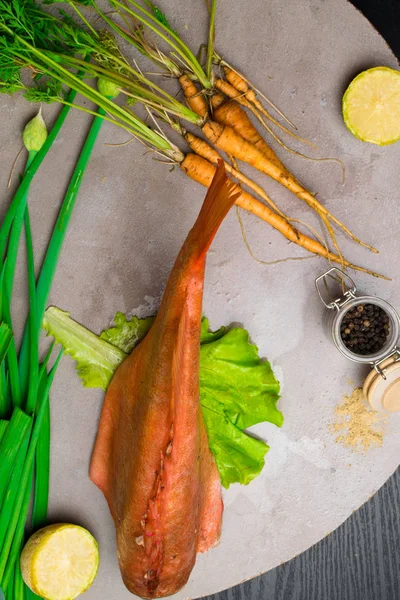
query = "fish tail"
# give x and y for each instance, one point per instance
(221, 196)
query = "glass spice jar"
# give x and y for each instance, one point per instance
(369, 338)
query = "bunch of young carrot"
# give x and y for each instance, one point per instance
(221, 104)
(216, 106)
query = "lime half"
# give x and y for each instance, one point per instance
(371, 106)
(60, 562)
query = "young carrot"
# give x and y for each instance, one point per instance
(238, 82)
(227, 89)
(232, 93)
(203, 171)
(250, 133)
(243, 85)
(226, 139)
(203, 149)
(229, 112)
(193, 96)
(217, 99)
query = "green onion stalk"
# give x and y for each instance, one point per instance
(43, 287)
(26, 448)
(23, 449)
(16, 439)
(34, 137)
(15, 528)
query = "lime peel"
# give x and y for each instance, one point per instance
(371, 106)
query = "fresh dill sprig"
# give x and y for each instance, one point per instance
(45, 92)
(83, 2)
(61, 55)
(160, 16)
(108, 54)
(10, 79)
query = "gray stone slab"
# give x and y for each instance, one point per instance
(130, 221)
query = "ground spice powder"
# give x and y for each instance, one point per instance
(358, 426)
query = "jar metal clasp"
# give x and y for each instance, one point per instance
(377, 365)
(338, 292)
(348, 288)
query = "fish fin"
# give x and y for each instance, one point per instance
(99, 464)
(212, 505)
(221, 196)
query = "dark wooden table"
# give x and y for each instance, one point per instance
(361, 559)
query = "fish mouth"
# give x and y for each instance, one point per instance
(151, 586)
(151, 580)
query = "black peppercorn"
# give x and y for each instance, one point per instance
(365, 329)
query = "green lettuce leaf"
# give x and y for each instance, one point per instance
(127, 333)
(96, 359)
(207, 336)
(237, 388)
(239, 456)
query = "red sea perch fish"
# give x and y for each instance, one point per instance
(151, 457)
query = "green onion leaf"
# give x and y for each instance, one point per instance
(6, 336)
(53, 252)
(15, 531)
(19, 585)
(13, 488)
(10, 444)
(42, 466)
(3, 427)
(5, 396)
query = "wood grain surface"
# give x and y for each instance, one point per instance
(361, 559)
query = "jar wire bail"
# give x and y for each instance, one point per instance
(339, 277)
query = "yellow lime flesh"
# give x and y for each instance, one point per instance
(371, 106)
(60, 562)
